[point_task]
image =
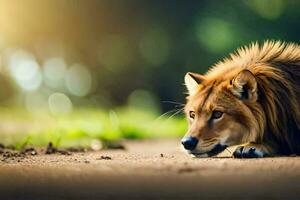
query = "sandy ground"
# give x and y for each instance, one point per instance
(148, 170)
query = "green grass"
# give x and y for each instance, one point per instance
(83, 126)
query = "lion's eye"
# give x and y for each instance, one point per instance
(216, 114)
(192, 114)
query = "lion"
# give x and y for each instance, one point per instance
(251, 99)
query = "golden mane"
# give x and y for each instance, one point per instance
(276, 67)
(245, 57)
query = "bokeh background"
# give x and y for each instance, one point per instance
(75, 72)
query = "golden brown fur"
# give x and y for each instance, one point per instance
(258, 90)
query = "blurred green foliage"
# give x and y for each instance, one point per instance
(84, 126)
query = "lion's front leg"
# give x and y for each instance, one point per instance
(253, 150)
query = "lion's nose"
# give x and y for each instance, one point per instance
(189, 143)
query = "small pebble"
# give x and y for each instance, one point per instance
(104, 158)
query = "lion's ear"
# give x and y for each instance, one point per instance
(244, 86)
(192, 81)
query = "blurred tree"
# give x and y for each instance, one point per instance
(132, 45)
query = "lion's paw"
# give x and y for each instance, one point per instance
(249, 152)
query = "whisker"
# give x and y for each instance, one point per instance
(177, 109)
(166, 113)
(229, 151)
(173, 102)
(177, 112)
(179, 106)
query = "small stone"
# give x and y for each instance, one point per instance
(50, 149)
(96, 145)
(64, 152)
(104, 158)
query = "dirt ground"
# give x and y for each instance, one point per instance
(155, 169)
